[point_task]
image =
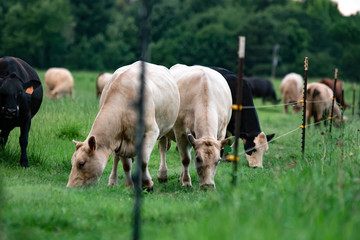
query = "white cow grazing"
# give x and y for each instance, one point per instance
(101, 81)
(205, 111)
(291, 88)
(59, 82)
(114, 128)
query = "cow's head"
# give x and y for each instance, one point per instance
(87, 163)
(255, 146)
(207, 157)
(12, 92)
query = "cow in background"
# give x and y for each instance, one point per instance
(20, 99)
(261, 87)
(255, 141)
(291, 88)
(319, 104)
(101, 81)
(339, 90)
(59, 82)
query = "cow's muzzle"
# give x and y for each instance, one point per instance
(10, 112)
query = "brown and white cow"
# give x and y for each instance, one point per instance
(205, 111)
(101, 81)
(319, 103)
(339, 90)
(114, 128)
(59, 83)
(291, 89)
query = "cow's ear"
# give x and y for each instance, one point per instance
(92, 144)
(226, 141)
(31, 85)
(191, 138)
(269, 137)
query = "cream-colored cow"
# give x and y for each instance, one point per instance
(59, 83)
(205, 111)
(101, 81)
(319, 103)
(291, 88)
(115, 126)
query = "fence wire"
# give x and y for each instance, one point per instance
(281, 105)
(277, 138)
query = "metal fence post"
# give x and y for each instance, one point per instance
(144, 33)
(304, 106)
(333, 99)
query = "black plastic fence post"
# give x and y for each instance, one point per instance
(304, 106)
(333, 99)
(144, 33)
(238, 106)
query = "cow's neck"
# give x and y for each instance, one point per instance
(108, 131)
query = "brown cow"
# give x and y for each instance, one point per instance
(319, 103)
(114, 128)
(339, 89)
(205, 111)
(291, 90)
(101, 81)
(59, 83)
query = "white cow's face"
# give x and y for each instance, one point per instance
(207, 158)
(255, 158)
(87, 164)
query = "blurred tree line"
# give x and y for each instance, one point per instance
(103, 35)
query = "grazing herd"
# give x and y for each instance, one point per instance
(190, 105)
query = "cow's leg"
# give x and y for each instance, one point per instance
(23, 140)
(3, 138)
(148, 146)
(184, 150)
(285, 108)
(163, 176)
(127, 164)
(113, 178)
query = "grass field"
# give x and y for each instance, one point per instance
(317, 197)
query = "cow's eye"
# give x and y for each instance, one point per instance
(218, 161)
(81, 164)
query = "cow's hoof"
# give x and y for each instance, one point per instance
(24, 165)
(187, 184)
(162, 180)
(149, 189)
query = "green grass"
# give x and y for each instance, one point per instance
(317, 197)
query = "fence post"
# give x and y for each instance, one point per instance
(144, 33)
(304, 106)
(353, 102)
(238, 106)
(333, 99)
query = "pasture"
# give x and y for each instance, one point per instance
(317, 197)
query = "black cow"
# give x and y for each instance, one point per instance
(255, 141)
(261, 87)
(21, 95)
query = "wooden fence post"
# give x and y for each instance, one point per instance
(238, 106)
(304, 106)
(353, 102)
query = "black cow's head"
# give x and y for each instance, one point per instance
(12, 91)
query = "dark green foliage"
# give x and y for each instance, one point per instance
(104, 35)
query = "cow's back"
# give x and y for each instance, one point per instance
(162, 98)
(58, 76)
(205, 97)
